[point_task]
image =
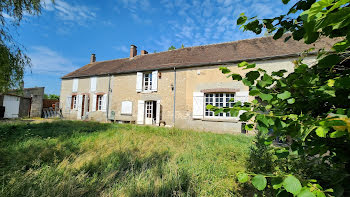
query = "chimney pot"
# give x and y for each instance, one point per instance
(133, 51)
(144, 52)
(93, 58)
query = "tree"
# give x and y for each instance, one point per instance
(13, 60)
(51, 96)
(171, 48)
(309, 109)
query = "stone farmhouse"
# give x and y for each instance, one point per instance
(172, 88)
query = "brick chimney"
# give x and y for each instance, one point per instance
(93, 58)
(144, 52)
(133, 51)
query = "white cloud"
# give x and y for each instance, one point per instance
(135, 7)
(71, 13)
(49, 62)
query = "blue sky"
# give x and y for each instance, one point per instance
(63, 37)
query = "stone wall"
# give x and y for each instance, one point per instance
(37, 96)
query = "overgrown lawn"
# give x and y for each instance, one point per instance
(74, 158)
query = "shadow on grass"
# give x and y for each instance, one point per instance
(23, 144)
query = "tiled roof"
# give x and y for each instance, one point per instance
(250, 49)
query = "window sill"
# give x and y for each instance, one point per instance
(126, 114)
(147, 92)
(218, 119)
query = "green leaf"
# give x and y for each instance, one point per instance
(322, 131)
(249, 127)
(224, 70)
(329, 60)
(242, 64)
(210, 107)
(246, 116)
(278, 34)
(252, 75)
(259, 182)
(236, 77)
(241, 20)
(305, 192)
(242, 177)
(285, 1)
(276, 182)
(254, 92)
(284, 95)
(291, 101)
(292, 184)
(265, 97)
(337, 134)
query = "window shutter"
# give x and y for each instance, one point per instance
(155, 81)
(158, 112)
(140, 111)
(93, 84)
(242, 96)
(68, 103)
(75, 85)
(139, 77)
(94, 100)
(126, 107)
(104, 102)
(198, 105)
(79, 105)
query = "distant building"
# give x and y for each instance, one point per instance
(22, 103)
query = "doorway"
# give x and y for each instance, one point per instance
(150, 112)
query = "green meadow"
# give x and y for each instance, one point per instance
(74, 158)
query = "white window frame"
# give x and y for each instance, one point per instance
(75, 101)
(99, 102)
(147, 82)
(219, 99)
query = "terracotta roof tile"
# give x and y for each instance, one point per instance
(250, 49)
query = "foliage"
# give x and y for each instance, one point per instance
(171, 48)
(75, 158)
(51, 96)
(12, 58)
(308, 110)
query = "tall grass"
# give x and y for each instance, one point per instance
(71, 158)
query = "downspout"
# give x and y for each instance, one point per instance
(174, 96)
(109, 89)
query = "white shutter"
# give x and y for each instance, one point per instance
(126, 107)
(68, 103)
(140, 112)
(155, 81)
(158, 113)
(94, 97)
(104, 102)
(139, 77)
(198, 105)
(242, 96)
(93, 81)
(80, 105)
(75, 85)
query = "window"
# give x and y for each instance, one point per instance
(219, 100)
(99, 102)
(74, 102)
(147, 81)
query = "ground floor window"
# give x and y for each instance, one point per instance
(219, 100)
(99, 102)
(74, 102)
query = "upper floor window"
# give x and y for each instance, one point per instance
(147, 82)
(219, 100)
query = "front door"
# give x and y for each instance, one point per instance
(149, 112)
